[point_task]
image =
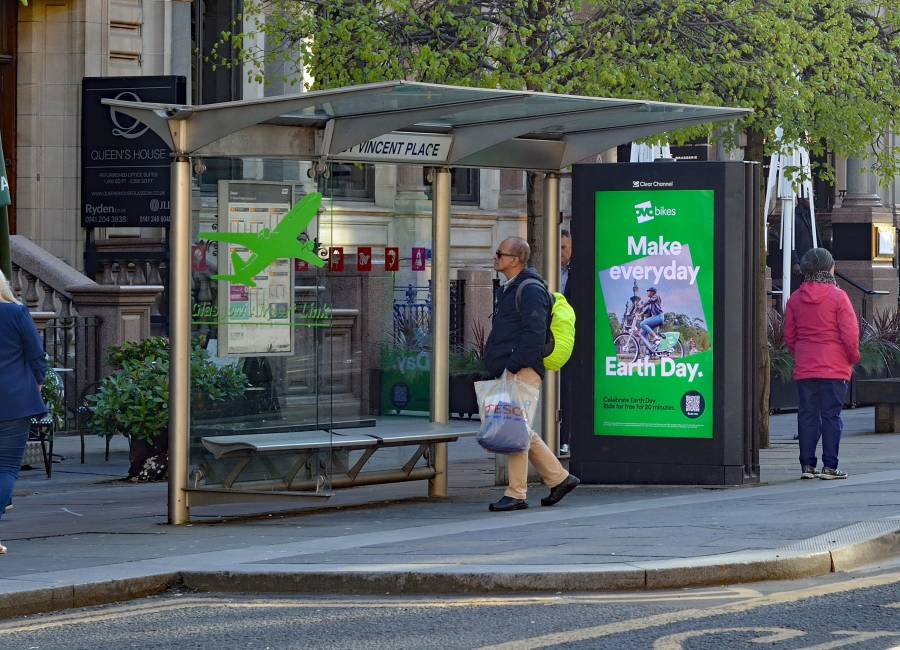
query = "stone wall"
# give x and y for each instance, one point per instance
(60, 42)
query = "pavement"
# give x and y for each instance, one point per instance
(86, 536)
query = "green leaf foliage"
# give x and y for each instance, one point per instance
(828, 71)
(134, 400)
(52, 392)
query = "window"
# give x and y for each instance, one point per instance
(350, 181)
(464, 186)
(210, 18)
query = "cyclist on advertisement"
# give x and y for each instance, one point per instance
(653, 317)
(631, 312)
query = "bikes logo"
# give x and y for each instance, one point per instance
(123, 125)
(646, 211)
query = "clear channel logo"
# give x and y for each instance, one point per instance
(646, 211)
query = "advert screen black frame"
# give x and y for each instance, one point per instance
(731, 456)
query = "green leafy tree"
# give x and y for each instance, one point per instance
(828, 71)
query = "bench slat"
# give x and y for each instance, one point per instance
(266, 443)
(222, 446)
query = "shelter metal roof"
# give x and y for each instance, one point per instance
(489, 128)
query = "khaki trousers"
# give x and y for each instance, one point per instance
(544, 461)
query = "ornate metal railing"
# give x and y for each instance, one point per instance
(72, 344)
(412, 313)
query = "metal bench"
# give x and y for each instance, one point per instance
(885, 395)
(319, 460)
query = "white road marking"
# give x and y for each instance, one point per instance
(157, 607)
(771, 635)
(850, 638)
(659, 620)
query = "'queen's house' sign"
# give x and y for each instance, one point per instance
(125, 177)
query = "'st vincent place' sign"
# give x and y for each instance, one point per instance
(400, 148)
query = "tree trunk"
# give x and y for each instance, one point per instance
(756, 152)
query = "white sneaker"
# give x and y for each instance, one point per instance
(831, 474)
(809, 472)
(564, 450)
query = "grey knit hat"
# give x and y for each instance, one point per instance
(816, 260)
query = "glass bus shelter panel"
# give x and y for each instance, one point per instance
(376, 356)
(258, 420)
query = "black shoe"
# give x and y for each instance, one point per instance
(561, 490)
(508, 503)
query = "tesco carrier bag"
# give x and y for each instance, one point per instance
(507, 407)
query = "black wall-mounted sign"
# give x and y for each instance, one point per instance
(125, 177)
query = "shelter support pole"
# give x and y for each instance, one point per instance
(550, 396)
(180, 339)
(440, 321)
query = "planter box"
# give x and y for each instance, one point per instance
(463, 401)
(853, 397)
(782, 395)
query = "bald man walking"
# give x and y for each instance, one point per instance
(516, 344)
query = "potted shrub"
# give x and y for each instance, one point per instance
(53, 395)
(134, 400)
(467, 367)
(879, 348)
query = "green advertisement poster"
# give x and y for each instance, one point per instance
(654, 347)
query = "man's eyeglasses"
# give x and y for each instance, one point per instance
(498, 254)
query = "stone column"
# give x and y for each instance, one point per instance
(861, 185)
(411, 190)
(41, 318)
(512, 190)
(124, 313)
(852, 241)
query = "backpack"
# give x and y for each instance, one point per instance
(560, 333)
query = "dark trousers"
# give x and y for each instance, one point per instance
(819, 416)
(13, 436)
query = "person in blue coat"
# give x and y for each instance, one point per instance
(22, 367)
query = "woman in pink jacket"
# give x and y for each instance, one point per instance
(822, 333)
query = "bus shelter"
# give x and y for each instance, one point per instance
(268, 311)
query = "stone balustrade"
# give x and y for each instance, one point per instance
(42, 280)
(54, 290)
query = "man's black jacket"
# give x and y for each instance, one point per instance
(569, 286)
(518, 336)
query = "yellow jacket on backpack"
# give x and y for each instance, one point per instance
(561, 334)
(562, 325)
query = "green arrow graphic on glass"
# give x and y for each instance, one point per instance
(270, 245)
